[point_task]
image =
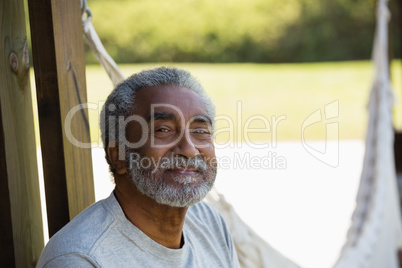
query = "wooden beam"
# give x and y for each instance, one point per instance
(18, 167)
(58, 55)
(6, 225)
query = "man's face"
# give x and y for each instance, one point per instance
(176, 166)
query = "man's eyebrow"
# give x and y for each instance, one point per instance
(202, 119)
(161, 116)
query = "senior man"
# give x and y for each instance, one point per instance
(157, 132)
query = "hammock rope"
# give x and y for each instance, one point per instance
(375, 233)
(97, 47)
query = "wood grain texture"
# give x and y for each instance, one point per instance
(72, 92)
(19, 136)
(58, 54)
(51, 134)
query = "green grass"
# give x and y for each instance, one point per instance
(291, 90)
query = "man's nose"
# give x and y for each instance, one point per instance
(185, 146)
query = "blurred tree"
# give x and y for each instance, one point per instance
(234, 30)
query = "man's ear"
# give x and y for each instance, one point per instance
(113, 154)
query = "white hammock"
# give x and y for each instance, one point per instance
(376, 230)
(375, 234)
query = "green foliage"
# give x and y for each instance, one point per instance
(234, 30)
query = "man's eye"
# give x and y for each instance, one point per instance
(200, 131)
(162, 130)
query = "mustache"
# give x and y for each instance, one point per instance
(134, 160)
(182, 162)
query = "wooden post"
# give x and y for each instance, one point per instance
(6, 226)
(58, 55)
(21, 224)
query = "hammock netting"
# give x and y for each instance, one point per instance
(375, 234)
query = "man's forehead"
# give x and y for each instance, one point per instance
(170, 99)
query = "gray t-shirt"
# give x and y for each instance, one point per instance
(101, 236)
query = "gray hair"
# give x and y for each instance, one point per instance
(120, 102)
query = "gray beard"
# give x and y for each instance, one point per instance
(150, 182)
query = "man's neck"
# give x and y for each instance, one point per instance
(161, 223)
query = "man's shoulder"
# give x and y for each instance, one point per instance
(204, 209)
(204, 215)
(208, 233)
(81, 235)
